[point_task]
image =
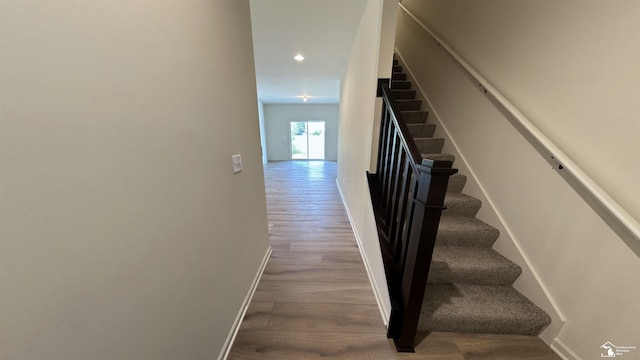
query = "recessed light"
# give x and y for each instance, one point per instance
(298, 57)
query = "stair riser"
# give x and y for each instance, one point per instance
(397, 68)
(466, 208)
(480, 266)
(399, 76)
(415, 117)
(469, 240)
(457, 183)
(466, 232)
(422, 130)
(440, 273)
(412, 105)
(429, 145)
(400, 85)
(403, 94)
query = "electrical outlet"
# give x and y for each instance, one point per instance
(236, 160)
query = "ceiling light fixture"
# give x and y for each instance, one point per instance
(304, 98)
(298, 57)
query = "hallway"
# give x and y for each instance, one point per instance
(315, 300)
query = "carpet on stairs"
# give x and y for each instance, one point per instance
(470, 284)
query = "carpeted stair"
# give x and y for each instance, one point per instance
(470, 285)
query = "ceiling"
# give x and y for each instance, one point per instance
(321, 30)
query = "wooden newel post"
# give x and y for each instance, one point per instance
(428, 204)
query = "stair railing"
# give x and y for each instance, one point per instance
(408, 198)
(628, 226)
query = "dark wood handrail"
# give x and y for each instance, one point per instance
(408, 193)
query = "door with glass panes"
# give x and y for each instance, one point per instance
(307, 140)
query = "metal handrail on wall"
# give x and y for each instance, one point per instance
(554, 154)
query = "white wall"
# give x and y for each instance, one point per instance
(124, 233)
(357, 106)
(263, 137)
(568, 66)
(277, 129)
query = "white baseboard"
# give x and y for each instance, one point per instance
(384, 311)
(564, 351)
(243, 309)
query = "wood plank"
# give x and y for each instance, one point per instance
(503, 347)
(326, 317)
(352, 257)
(287, 257)
(303, 345)
(331, 273)
(315, 292)
(258, 315)
(325, 246)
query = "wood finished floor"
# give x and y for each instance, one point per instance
(314, 300)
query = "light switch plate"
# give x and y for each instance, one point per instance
(237, 163)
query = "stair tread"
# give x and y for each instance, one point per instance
(467, 265)
(480, 309)
(465, 231)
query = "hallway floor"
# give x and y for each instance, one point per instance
(314, 300)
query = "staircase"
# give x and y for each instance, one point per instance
(469, 287)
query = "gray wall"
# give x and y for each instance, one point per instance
(278, 116)
(125, 234)
(568, 66)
